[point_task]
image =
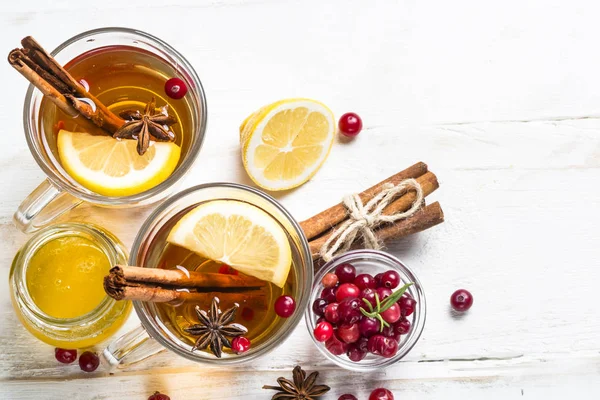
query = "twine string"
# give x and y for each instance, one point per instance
(363, 219)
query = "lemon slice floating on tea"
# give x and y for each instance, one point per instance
(112, 167)
(285, 143)
(239, 235)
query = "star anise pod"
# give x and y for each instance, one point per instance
(301, 388)
(151, 124)
(215, 328)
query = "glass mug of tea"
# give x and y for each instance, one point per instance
(126, 70)
(167, 325)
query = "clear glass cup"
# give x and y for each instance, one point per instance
(59, 192)
(372, 262)
(79, 332)
(153, 335)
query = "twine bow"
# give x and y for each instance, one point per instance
(363, 219)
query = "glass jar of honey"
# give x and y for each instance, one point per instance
(56, 283)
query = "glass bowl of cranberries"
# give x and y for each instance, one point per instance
(367, 310)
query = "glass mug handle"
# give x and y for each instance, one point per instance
(44, 204)
(134, 346)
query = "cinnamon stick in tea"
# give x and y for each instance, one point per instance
(46, 74)
(184, 278)
(325, 220)
(423, 219)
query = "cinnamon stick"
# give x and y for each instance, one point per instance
(429, 184)
(46, 74)
(423, 219)
(184, 279)
(325, 220)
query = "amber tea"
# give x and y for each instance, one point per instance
(132, 84)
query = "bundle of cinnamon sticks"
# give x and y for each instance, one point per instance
(175, 286)
(320, 227)
(69, 95)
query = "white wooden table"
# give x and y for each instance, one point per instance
(501, 99)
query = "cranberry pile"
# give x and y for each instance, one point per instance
(361, 314)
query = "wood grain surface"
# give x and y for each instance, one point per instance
(500, 99)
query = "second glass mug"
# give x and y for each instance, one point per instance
(153, 335)
(59, 192)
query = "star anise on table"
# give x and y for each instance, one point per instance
(215, 328)
(301, 388)
(151, 124)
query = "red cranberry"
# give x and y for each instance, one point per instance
(329, 280)
(392, 314)
(378, 279)
(402, 327)
(323, 331)
(350, 124)
(89, 361)
(461, 300)
(336, 346)
(348, 333)
(175, 88)
(347, 396)
(373, 343)
(331, 313)
(355, 353)
(383, 292)
(362, 343)
(364, 281)
(390, 279)
(369, 295)
(345, 272)
(227, 270)
(368, 326)
(349, 310)
(387, 347)
(329, 294)
(318, 306)
(159, 396)
(285, 306)
(407, 305)
(240, 344)
(346, 290)
(65, 356)
(381, 394)
(247, 314)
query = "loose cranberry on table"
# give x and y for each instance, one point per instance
(461, 300)
(89, 361)
(240, 344)
(285, 306)
(350, 124)
(331, 313)
(329, 280)
(381, 394)
(345, 272)
(347, 290)
(364, 281)
(175, 88)
(65, 356)
(323, 331)
(347, 397)
(318, 306)
(159, 396)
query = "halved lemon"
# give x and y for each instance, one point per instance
(112, 167)
(239, 235)
(285, 143)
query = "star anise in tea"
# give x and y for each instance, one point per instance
(152, 124)
(215, 328)
(301, 388)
